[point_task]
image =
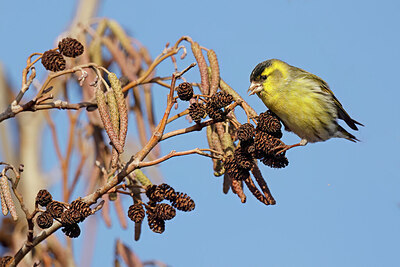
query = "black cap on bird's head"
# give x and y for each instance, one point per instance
(257, 77)
(258, 70)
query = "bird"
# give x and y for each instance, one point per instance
(302, 101)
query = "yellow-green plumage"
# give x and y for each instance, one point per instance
(302, 101)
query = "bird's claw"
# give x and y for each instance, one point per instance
(283, 148)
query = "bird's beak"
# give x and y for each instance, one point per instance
(255, 88)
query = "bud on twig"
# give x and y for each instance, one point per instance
(227, 183)
(142, 178)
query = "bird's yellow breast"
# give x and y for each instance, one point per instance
(302, 107)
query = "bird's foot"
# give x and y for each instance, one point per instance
(283, 148)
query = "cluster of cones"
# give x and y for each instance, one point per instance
(213, 106)
(157, 212)
(260, 142)
(53, 60)
(255, 143)
(69, 215)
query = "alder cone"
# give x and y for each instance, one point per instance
(53, 61)
(70, 47)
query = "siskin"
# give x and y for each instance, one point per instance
(302, 100)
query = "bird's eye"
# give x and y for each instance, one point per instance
(264, 77)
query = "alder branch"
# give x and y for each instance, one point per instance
(32, 107)
(112, 178)
(127, 169)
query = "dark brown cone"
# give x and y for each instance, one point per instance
(268, 122)
(53, 61)
(55, 209)
(264, 142)
(156, 225)
(43, 198)
(155, 193)
(185, 91)
(243, 159)
(71, 230)
(183, 202)
(245, 132)
(164, 211)
(5, 261)
(44, 220)
(69, 217)
(80, 208)
(197, 111)
(170, 193)
(248, 146)
(220, 100)
(136, 212)
(70, 47)
(234, 171)
(215, 114)
(275, 161)
(151, 203)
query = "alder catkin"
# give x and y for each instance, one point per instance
(5, 189)
(113, 109)
(106, 119)
(121, 104)
(201, 62)
(4, 208)
(214, 84)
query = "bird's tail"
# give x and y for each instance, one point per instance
(345, 134)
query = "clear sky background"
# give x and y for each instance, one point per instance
(337, 202)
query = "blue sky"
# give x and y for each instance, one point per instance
(337, 202)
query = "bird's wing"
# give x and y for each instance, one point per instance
(342, 114)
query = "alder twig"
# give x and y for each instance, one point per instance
(177, 116)
(196, 127)
(172, 51)
(174, 153)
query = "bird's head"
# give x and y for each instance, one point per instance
(268, 75)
